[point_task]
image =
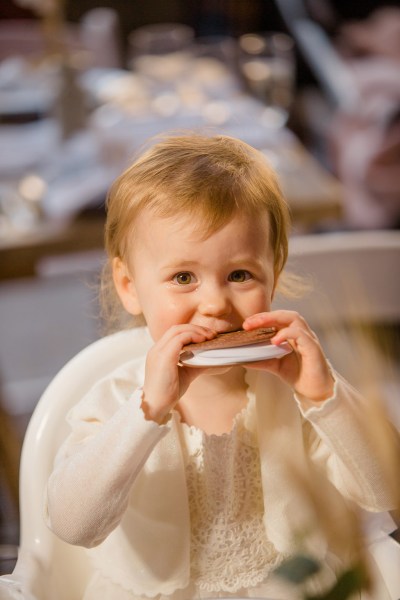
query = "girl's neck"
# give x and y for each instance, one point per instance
(213, 401)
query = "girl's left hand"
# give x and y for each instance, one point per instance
(306, 369)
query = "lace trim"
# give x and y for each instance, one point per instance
(229, 548)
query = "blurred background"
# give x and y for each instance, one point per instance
(314, 85)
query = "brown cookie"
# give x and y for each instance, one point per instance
(233, 339)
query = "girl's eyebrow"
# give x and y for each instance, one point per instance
(250, 259)
(235, 262)
(179, 264)
(245, 262)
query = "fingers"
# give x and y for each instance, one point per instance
(164, 381)
(306, 369)
(278, 318)
(290, 325)
(173, 340)
(186, 334)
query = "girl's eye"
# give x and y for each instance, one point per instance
(183, 278)
(239, 276)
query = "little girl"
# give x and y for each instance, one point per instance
(170, 476)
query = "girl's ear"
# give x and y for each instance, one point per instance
(125, 287)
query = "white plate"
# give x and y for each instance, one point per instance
(236, 355)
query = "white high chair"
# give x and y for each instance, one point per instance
(48, 568)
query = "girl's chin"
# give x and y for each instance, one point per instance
(220, 370)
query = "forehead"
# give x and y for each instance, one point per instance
(197, 227)
(170, 240)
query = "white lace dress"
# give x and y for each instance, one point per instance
(229, 548)
(230, 554)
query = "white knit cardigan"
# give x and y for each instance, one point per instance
(119, 488)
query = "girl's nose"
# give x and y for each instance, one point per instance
(213, 302)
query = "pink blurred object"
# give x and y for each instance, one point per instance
(379, 34)
(366, 141)
(360, 76)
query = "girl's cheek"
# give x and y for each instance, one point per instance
(262, 303)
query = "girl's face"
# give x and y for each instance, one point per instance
(176, 276)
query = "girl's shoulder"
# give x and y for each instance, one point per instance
(109, 393)
(115, 387)
(131, 347)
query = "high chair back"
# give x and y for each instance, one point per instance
(48, 568)
(355, 277)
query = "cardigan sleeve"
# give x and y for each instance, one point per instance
(339, 440)
(94, 470)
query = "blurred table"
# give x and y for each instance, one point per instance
(52, 190)
(22, 255)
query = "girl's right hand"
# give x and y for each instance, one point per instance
(165, 381)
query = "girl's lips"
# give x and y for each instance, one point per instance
(221, 329)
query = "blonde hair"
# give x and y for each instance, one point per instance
(209, 178)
